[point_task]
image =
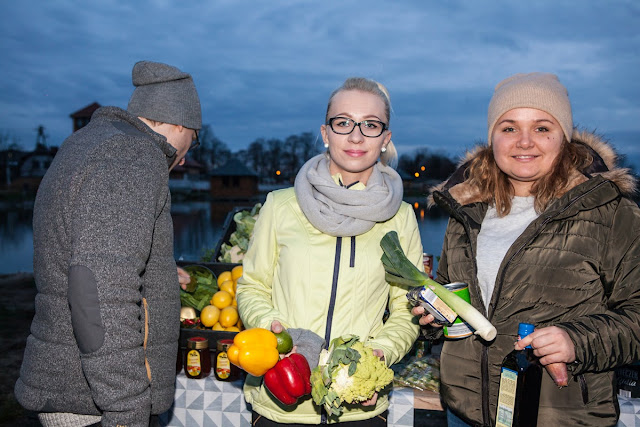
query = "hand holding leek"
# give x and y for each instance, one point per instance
(399, 270)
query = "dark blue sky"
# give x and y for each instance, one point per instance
(266, 69)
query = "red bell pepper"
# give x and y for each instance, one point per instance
(289, 379)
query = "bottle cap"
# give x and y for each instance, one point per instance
(223, 345)
(525, 329)
(197, 343)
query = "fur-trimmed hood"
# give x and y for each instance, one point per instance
(605, 163)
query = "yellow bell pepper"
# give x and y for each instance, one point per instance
(254, 350)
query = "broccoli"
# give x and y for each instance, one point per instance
(348, 372)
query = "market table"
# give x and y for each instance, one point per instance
(209, 402)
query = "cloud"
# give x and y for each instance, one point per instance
(266, 69)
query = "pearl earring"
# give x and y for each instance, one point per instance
(326, 145)
(384, 149)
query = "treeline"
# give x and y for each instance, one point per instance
(273, 160)
(277, 160)
(427, 165)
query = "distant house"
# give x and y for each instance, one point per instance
(233, 180)
(188, 177)
(82, 117)
(22, 171)
(9, 162)
(26, 170)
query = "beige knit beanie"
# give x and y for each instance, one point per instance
(542, 91)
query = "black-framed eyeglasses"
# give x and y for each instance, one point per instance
(345, 125)
(195, 142)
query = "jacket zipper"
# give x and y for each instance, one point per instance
(484, 358)
(352, 259)
(334, 291)
(332, 300)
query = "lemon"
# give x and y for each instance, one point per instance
(232, 329)
(285, 343)
(236, 272)
(228, 317)
(209, 315)
(222, 299)
(227, 285)
(218, 327)
(224, 276)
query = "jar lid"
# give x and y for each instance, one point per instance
(198, 343)
(223, 345)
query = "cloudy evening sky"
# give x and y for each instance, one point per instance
(266, 68)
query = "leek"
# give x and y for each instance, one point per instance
(399, 270)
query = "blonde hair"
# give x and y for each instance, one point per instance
(389, 157)
(495, 188)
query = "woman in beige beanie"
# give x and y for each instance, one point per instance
(544, 232)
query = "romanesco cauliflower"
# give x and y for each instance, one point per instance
(348, 372)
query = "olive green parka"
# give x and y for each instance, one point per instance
(577, 267)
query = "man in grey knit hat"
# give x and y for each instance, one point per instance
(104, 338)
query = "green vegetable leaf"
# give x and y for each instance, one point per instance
(238, 244)
(352, 368)
(318, 389)
(354, 374)
(205, 286)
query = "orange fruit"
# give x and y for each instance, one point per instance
(232, 329)
(222, 299)
(236, 272)
(209, 315)
(218, 327)
(228, 317)
(224, 276)
(227, 285)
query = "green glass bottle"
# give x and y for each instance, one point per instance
(520, 379)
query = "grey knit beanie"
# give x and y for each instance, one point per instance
(165, 94)
(542, 91)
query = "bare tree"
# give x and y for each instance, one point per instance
(212, 152)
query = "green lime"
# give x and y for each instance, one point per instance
(285, 343)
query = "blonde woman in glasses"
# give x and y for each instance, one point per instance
(313, 265)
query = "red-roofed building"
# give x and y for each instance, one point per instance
(82, 117)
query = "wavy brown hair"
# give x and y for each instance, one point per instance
(495, 188)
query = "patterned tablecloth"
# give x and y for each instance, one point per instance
(208, 402)
(629, 412)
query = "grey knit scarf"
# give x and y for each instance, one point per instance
(338, 211)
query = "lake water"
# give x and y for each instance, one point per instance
(197, 226)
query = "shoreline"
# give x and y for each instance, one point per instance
(17, 307)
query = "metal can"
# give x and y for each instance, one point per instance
(427, 261)
(425, 297)
(459, 328)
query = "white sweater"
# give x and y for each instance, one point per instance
(497, 234)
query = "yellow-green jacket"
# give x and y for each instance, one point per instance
(329, 285)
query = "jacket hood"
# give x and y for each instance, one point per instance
(605, 164)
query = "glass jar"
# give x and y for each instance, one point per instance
(197, 363)
(224, 370)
